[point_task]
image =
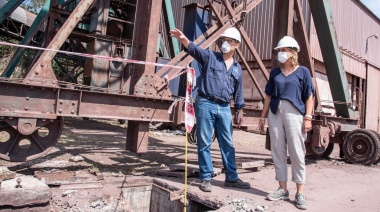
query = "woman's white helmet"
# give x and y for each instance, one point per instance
(233, 33)
(287, 41)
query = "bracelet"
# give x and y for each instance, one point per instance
(262, 119)
(309, 116)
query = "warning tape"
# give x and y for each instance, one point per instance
(117, 59)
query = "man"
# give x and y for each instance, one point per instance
(220, 78)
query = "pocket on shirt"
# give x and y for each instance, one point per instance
(216, 73)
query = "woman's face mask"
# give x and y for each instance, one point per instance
(282, 57)
(226, 47)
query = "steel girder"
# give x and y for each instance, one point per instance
(336, 74)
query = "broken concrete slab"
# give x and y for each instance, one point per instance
(5, 173)
(63, 177)
(32, 192)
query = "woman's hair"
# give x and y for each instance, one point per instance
(294, 58)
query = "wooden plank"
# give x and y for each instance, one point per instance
(192, 168)
(81, 185)
(243, 163)
(170, 173)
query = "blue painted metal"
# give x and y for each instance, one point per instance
(332, 57)
(171, 23)
(196, 23)
(8, 9)
(40, 19)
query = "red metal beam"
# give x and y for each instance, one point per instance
(41, 72)
(214, 32)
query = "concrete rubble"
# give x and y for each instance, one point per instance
(24, 191)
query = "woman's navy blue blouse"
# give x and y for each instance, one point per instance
(295, 88)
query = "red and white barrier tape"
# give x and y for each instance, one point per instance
(91, 55)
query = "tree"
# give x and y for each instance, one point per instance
(33, 6)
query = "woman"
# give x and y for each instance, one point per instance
(289, 96)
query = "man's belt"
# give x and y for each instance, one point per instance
(217, 101)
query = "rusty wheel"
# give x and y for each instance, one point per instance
(361, 147)
(30, 141)
(378, 136)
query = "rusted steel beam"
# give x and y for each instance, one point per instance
(137, 136)
(42, 72)
(18, 100)
(250, 72)
(289, 30)
(248, 41)
(301, 35)
(214, 31)
(147, 28)
(143, 77)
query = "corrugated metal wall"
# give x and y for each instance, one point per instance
(349, 18)
(372, 116)
(258, 24)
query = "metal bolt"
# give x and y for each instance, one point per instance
(36, 72)
(60, 102)
(60, 110)
(18, 183)
(26, 108)
(148, 109)
(27, 98)
(359, 147)
(73, 103)
(72, 111)
(42, 65)
(142, 116)
(142, 109)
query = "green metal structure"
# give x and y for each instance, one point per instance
(8, 9)
(37, 23)
(324, 24)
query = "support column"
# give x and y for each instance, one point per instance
(137, 136)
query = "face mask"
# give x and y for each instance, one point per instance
(282, 57)
(226, 47)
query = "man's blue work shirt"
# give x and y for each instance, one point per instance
(215, 80)
(295, 88)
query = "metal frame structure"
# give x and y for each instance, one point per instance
(112, 89)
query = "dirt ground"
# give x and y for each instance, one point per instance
(332, 184)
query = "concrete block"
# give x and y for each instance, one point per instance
(32, 192)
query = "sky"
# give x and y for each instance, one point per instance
(373, 5)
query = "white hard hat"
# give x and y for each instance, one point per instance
(233, 33)
(287, 41)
